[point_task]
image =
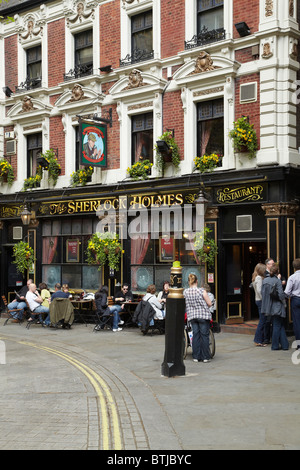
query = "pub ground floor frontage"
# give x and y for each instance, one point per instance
(252, 214)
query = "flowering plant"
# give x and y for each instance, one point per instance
(207, 162)
(140, 170)
(205, 247)
(53, 168)
(24, 256)
(32, 182)
(80, 177)
(104, 247)
(243, 136)
(174, 151)
(6, 172)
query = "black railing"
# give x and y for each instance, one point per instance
(138, 55)
(29, 84)
(205, 37)
(79, 71)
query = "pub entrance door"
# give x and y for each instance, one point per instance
(241, 259)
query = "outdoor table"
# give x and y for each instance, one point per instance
(83, 307)
(129, 308)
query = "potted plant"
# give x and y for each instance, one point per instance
(6, 172)
(52, 165)
(205, 247)
(207, 163)
(24, 256)
(33, 181)
(104, 247)
(140, 170)
(171, 152)
(244, 137)
(81, 176)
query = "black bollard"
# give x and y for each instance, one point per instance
(174, 326)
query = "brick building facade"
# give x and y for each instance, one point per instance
(189, 66)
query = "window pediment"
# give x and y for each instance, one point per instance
(77, 97)
(28, 109)
(135, 84)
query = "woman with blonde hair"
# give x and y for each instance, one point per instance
(258, 275)
(198, 312)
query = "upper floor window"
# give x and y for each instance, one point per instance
(210, 127)
(84, 52)
(141, 39)
(33, 77)
(34, 149)
(210, 23)
(142, 137)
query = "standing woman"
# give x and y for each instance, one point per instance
(275, 308)
(257, 279)
(198, 314)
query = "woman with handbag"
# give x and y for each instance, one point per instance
(102, 309)
(274, 306)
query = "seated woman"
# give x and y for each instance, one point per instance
(104, 310)
(156, 304)
(162, 295)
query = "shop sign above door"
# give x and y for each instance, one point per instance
(241, 193)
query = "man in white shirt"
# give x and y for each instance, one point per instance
(293, 291)
(34, 301)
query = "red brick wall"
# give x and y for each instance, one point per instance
(248, 109)
(56, 52)
(57, 140)
(173, 118)
(244, 55)
(110, 44)
(247, 11)
(172, 27)
(11, 62)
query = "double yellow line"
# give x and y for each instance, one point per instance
(107, 404)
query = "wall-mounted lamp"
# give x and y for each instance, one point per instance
(25, 215)
(243, 29)
(7, 91)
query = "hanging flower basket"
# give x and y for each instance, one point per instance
(82, 176)
(6, 172)
(205, 247)
(207, 163)
(23, 256)
(171, 155)
(52, 166)
(104, 248)
(140, 170)
(244, 137)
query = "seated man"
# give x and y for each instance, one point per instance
(35, 303)
(123, 295)
(59, 292)
(19, 302)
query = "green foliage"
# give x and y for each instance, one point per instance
(205, 247)
(6, 172)
(104, 247)
(207, 163)
(53, 168)
(140, 170)
(23, 256)
(244, 136)
(175, 156)
(80, 177)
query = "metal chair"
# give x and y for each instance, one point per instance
(35, 321)
(10, 312)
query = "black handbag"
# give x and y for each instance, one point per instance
(273, 292)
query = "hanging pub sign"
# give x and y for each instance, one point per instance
(93, 141)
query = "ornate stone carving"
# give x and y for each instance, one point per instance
(267, 53)
(269, 8)
(27, 104)
(32, 30)
(135, 80)
(81, 14)
(204, 63)
(280, 209)
(77, 93)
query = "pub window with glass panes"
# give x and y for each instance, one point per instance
(34, 150)
(142, 137)
(210, 127)
(84, 53)
(34, 66)
(141, 36)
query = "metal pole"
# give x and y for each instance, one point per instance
(174, 326)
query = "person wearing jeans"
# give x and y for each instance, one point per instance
(198, 313)
(258, 275)
(19, 302)
(34, 301)
(293, 292)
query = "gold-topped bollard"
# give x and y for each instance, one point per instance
(174, 325)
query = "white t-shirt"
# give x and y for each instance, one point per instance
(31, 299)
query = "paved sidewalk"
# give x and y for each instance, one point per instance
(245, 398)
